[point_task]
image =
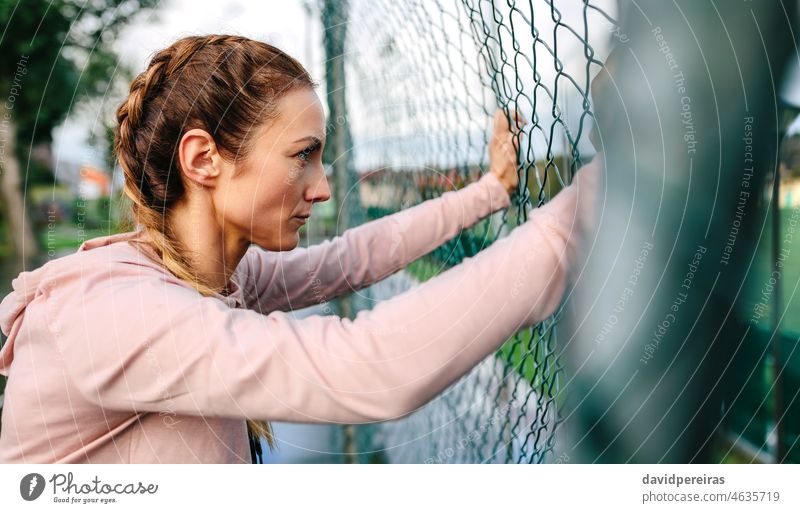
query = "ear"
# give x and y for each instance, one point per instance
(200, 161)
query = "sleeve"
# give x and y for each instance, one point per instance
(151, 345)
(365, 254)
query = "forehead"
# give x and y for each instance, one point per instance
(300, 114)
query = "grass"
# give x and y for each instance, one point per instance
(65, 237)
(6, 247)
(423, 269)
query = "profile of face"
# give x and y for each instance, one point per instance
(266, 197)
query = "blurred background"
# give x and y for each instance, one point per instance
(409, 87)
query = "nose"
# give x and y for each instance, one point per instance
(319, 190)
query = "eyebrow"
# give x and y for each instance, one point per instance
(310, 138)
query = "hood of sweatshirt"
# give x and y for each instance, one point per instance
(28, 285)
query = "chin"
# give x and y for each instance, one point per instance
(293, 244)
(287, 243)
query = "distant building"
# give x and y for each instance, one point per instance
(93, 183)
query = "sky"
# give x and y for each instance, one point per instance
(426, 90)
(286, 24)
(289, 26)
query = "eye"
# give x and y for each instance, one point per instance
(305, 154)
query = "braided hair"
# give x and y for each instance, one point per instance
(221, 84)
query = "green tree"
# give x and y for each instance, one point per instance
(53, 55)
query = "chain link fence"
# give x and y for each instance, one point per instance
(423, 79)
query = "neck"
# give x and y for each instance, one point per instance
(213, 253)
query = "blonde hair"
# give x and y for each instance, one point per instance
(220, 83)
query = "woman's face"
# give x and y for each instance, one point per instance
(272, 190)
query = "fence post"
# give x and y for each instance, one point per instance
(338, 151)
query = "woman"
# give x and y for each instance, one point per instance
(158, 344)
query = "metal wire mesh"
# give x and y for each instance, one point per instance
(423, 79)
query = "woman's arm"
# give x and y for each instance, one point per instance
(138, 344)
(365, 254)
(371, 252)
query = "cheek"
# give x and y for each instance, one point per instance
(261, 201)
(274, 200)
(246, 205)
(284, 190)
(265, 195)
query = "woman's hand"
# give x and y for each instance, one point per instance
(503, 149)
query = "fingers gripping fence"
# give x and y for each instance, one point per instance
(423, 80)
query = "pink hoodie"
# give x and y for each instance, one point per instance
(112, 359)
